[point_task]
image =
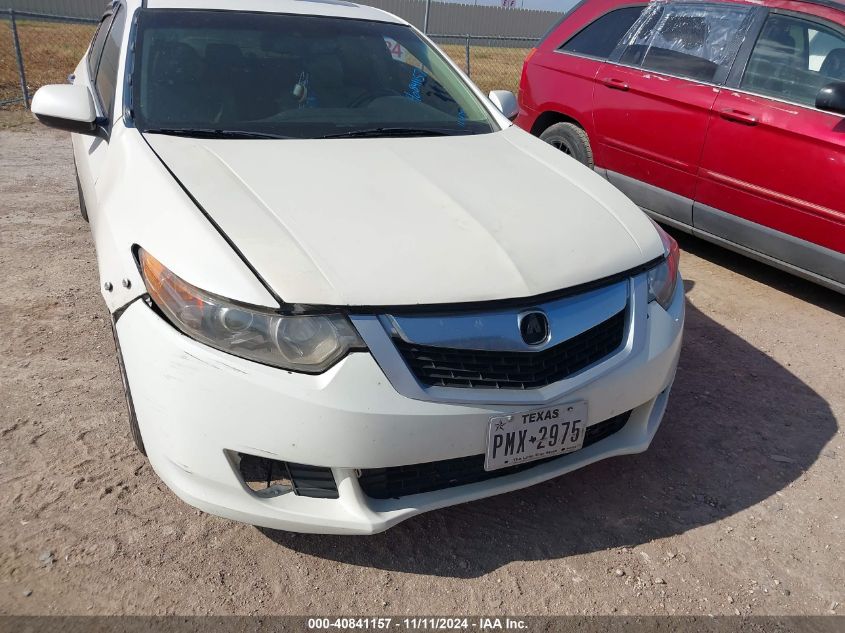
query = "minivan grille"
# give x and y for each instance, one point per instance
(448, 367)
(401, 481)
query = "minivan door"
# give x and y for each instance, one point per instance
(772, 167)
(652, 100)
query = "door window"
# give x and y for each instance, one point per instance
(793, 59)
(601, 37)
(97, 45)
(106, 79)
(688, 40)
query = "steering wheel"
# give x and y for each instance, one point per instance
(371, 95)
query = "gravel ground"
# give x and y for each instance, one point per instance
(736, 508)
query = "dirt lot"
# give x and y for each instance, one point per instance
(737, 508)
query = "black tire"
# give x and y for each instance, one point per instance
(83, 210)
(134, 431)
(571, 140)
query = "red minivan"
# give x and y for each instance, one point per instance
(724, 119)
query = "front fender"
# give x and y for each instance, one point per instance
(141, 204)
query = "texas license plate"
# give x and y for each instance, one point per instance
(524, 437)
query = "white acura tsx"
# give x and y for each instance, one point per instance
(345, 289)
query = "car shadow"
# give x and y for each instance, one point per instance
(762, 273)
(739, 428)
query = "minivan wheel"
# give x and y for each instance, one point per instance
(134, 431)
(571, 140)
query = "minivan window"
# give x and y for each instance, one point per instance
(602, 36)
(793, 59)
(294, 76)
(688, 40)
(107, 73)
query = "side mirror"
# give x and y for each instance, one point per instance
(832, 97)
(505, 101)
(66, 107)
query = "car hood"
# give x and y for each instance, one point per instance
(399, 221)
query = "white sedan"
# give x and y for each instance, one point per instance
(345, 289)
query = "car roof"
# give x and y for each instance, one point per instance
(836, 4)
(331, 8)
(833, 4)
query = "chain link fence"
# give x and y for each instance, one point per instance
(492, 62)
(38, 49)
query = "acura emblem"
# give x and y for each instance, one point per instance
(534, 327)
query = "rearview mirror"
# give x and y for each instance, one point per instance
(505, 101)
(831, 98)
(66, 107)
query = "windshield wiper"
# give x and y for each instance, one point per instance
(211, 133)
(377, 132)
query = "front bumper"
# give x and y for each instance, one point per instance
(197, 406)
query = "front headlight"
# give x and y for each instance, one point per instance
(304, 343)
(663, 278)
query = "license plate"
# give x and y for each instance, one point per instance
(525, 437)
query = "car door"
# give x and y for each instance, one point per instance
(560, 77)
(773, 165)
(653, 99)
(99, 73)
(84, 74)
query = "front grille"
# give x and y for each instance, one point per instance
(447, 367)
(401, 481)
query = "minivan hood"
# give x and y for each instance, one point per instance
(400, 221)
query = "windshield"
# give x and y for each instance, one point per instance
(263, 75)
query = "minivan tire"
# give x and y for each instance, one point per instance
(571, 140)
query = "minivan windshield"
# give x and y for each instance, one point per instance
(235, 74)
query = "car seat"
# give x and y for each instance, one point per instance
(833, 66)
(177, 91)
(227, 78)
(326, 87)
(679, 48)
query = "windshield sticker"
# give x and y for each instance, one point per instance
(397, 51)
(418, 78)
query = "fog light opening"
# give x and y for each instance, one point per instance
(265, 477)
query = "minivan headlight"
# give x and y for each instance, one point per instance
(663, 278)
(303, 343)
